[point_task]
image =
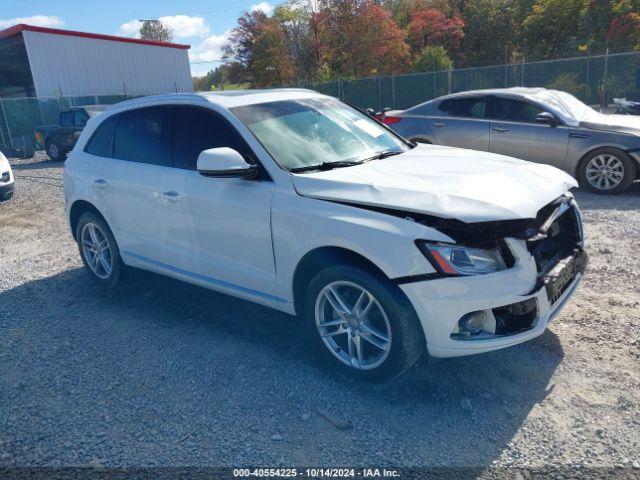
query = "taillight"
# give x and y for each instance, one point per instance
(38, 137)
(391, 120)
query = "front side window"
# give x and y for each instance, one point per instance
(143, 136)
(516, 110)
(473, 107)
(195, 130)
(311, 132)
(66, 119)
(101, 143)
(80, 118)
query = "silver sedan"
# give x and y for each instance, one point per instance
(534, 124)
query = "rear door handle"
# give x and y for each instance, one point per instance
(101, 183)
(172, 197)
(500, 129)
(439, 125)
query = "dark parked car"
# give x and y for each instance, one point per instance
(534, 124)
(58, 140)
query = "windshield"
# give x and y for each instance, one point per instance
(570, 106)
(311, 132)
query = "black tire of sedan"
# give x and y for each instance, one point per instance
(98, 250)
(54, 151)
(362, 323)
(607, 171)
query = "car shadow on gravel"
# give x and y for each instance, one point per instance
(625, 201)
(157, 372)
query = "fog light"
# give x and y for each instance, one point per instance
(472, 322)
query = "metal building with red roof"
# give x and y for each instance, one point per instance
(48, 62)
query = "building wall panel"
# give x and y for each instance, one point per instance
(78, 66)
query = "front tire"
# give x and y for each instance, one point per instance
(607, 171)
(362, 323)
(98, 250)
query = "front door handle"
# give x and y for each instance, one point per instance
(439, 125)
(501, 129)
(101, 183)
(172, 197)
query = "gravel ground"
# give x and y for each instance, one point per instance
(158, 373)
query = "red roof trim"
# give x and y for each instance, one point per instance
(16, 29)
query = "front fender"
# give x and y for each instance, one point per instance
(300, 225)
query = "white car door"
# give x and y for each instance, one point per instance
(129, 186)
(218, 229)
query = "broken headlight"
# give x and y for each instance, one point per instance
(460, 260)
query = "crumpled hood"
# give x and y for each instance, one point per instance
(446, 182)
(614, 123)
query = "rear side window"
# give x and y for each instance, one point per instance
(143, 136)
(475, 107)
(101, 143)
(66, 119)
(197, 129)
(516, 110)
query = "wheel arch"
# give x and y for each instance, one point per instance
(77, 209)
(317, 259)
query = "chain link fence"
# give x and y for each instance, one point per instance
(581, 76)
(19, 117)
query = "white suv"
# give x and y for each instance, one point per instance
(6, 179)
(294, 200)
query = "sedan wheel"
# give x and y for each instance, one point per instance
(605, 171)
(353, 325)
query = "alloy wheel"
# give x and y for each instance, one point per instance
(605, 171)
(96, 250)
(353, 325)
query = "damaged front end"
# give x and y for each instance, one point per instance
(554, 239)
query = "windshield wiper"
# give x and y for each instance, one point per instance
(326, 166)
(381, 155)
(344, 163)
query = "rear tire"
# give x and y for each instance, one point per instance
(98, 250)
(380, 336)
(54, 151)
(607, 171)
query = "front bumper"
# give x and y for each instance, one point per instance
(6, 191)
(442, 302)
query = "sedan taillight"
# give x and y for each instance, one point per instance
(390, 120)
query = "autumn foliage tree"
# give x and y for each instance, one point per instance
(432, 27)
(320, 40)
(359, 38)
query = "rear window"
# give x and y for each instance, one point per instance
(475, 107)
(143, 136)
(101, 143)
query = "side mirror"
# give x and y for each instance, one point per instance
(548, 118)
(224, 162)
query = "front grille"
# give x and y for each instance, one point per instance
(559, 241)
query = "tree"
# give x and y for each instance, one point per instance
(430, 26)
(259, 45)
(155, 30)
(551, 27)
(431, 59)
(624, 29)
(359, 38)
(489, 29)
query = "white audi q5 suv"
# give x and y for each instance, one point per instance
(297, 201)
